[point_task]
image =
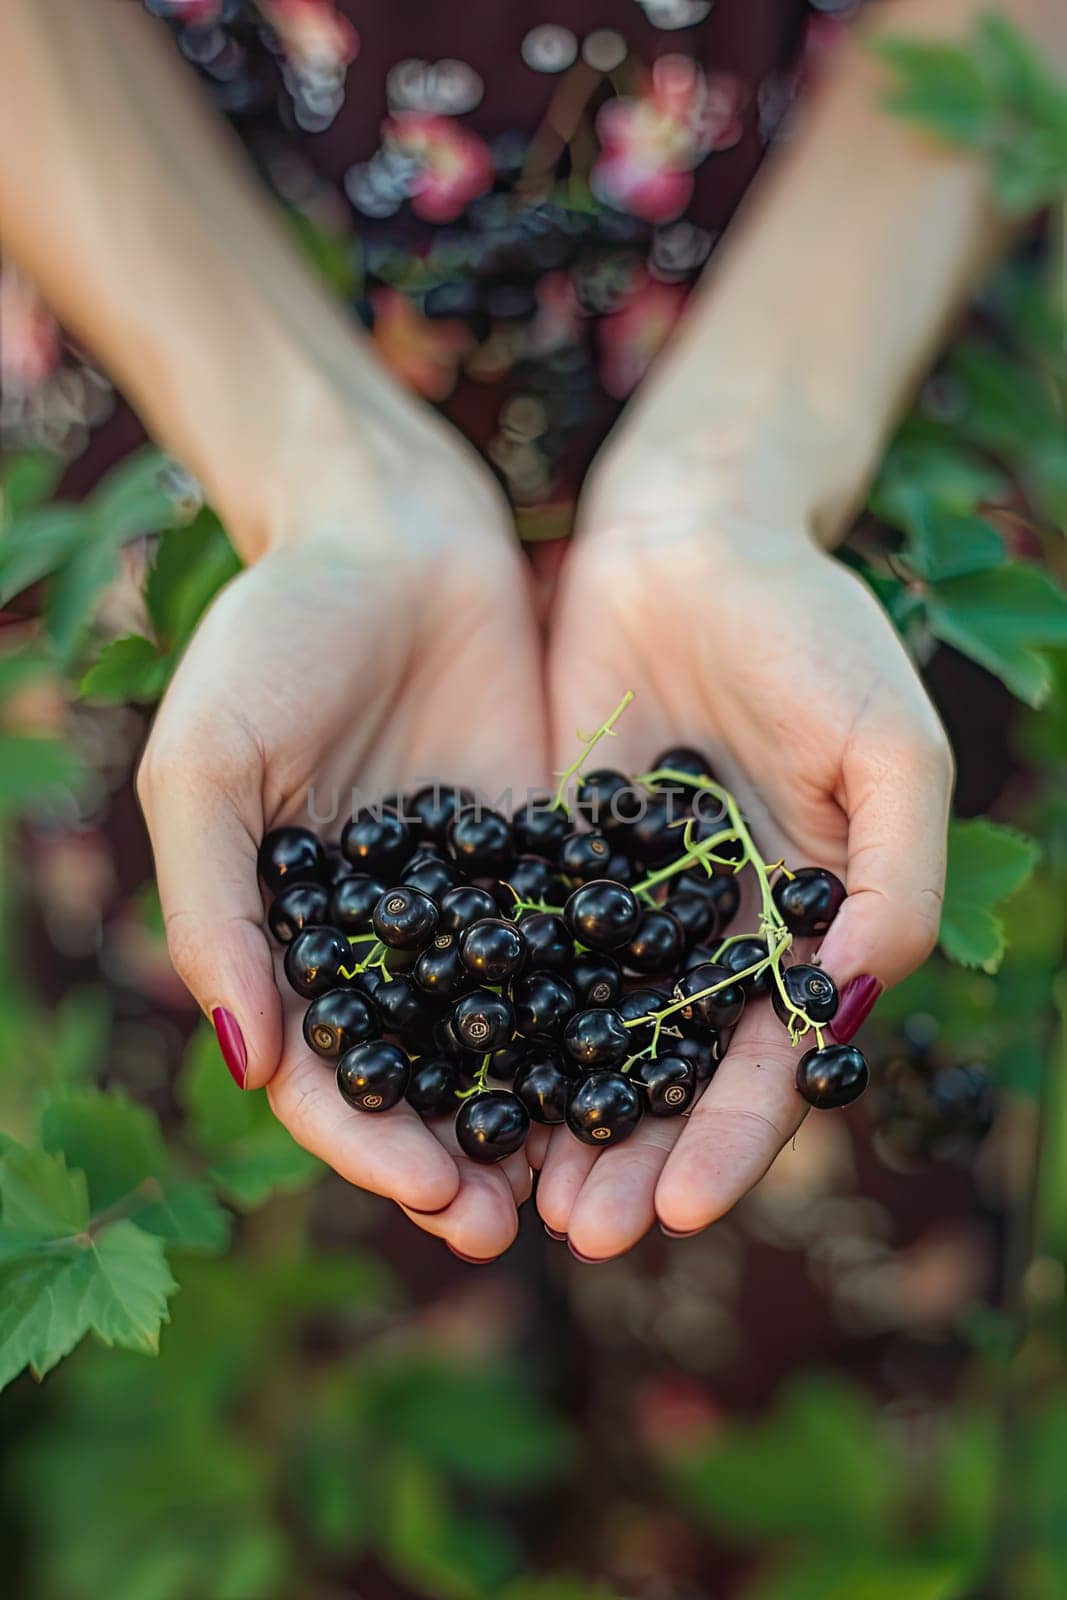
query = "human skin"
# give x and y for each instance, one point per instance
(384, 630)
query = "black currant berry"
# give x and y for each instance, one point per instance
(439, 972)
(405, 918)
(705, 1054)
(683, 758)
(313, 961)
(641, 1003)
(602, 915)
(667, 1082)
(480, 840)
(543, 1002)
(430, 810)
(300, 905)
(656, 836)
(339, 1020)
(291, 855)
(505, 1062)
(809, 901)
(492, 1125)
(745, 953)
(373, 1076)
(400, 1005)
(722, 889)
(833, 1076)
(482, 1020)
(608, 799)
(539, 827)
(466, 904)
(596, 1038)
(550, 945)
(492, 950)
(433, 875)
(531, 879)
(964, 1099)
(544, 1084)
(353, 900)
(595, 979)
(719, 1010)
(432, 1085)
(584, 856)
(698, 956)
(698, 915)
(605, 1108)
(657, 945)
(810, 989)
(376, 841)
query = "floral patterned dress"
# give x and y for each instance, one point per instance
(516, 197)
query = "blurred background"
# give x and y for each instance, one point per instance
(852, 1388)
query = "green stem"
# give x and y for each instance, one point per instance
(481, 1079)
(588, 745)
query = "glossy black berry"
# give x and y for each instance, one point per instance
(481, 841)
(401, 1007)
(377, 841)
(745, 953)
(544, 1084)
(667, 1083)
(492, 1125)
(543, 1002)
(705, 1053)
(539, 827)
(505, 1062)
(809, 901)
(291, 855)
(595, 979)
(963, 1098)
(492, 950)
(433, 875)
(466, 904)
(709, 819)
(405, 918)
(352, 901)
(373, 1076)
(439, 972)
(833, 1076)
(719, 1010)
(810, 989)
(431, 810)
(549, 943)
(299, 905)
(656, 835)
(722, 889)
(621, 868)
(605, 1108)
(482, 1020)
(532, 879)
(339, 1020)
(596, 1038)
(698, 915)
(313, 961)
(641, 1003)
(698, 956)
(608, 799)
(683, 758)
(657, 944)
(432, 1085)
(602, 915)
(584, 856)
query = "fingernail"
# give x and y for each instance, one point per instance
(672, 1233)
(231, 1043)
(472, 1261)
(587, 1261)
(552, 1234)
(857, 1002)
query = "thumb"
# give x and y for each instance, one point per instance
(203, 820)
(896, 795)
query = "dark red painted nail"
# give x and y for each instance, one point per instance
(472, 1261)
(231, 1043)
(857, 1002)
(587, 1261)
(552, 1234)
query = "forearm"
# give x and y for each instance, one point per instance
(124, 197)
(830, 295)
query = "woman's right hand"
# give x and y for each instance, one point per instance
(387, 636)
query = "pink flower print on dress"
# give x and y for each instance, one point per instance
(451, 166)
(424, 353)
(631, 338)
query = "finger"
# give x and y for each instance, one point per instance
(615, 1206)
(482, 1219)
(204, 817)
(896, 795)
(566, 1166)
(391, 1153)
(750, 1109)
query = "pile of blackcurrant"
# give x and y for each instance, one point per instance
(569, 964)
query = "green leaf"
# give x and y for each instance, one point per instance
(939, 86)
(126, 669)
(251, 1155)
(27, 481)
(79, 1033)
(34, 769)
(847, 1576)
(431, 1549)
(38, 1196)
(986, 864)
(36, 543)
(998, 618)
(187, 1214)
(948, 544)
(133, 498)
(74, 592)
(128, 1291)
(191, 566)
(918, 472)
(42, 1313)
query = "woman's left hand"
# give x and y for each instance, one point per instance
(749, 641)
